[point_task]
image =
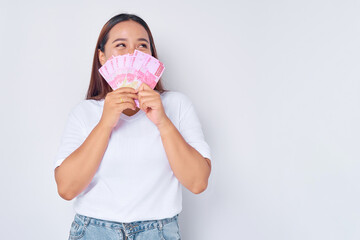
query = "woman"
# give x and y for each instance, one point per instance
(124, 165)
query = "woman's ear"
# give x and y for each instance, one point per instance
(102, 58)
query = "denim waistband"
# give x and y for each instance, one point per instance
(128, 228)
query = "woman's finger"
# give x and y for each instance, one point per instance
(125, 89)
(149, 102)
(147, 94)
(122, 95)
(147, 98)
(131, 95)
(127, 105)
(123, 99)
(144, 86)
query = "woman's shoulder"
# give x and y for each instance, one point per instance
(176, 103)
(175, 98)
(85, 105)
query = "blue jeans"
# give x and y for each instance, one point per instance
(88, 228)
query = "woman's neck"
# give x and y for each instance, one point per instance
(130, 112)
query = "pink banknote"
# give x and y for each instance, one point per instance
(131, 70)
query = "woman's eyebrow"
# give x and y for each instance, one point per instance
(125, 39)
(143, 39)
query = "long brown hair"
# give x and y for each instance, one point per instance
(98, 87)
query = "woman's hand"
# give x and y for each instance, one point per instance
(115, 103)
(150, 103)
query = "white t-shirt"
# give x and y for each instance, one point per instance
(134, 181)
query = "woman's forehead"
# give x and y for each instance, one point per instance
(128, 29)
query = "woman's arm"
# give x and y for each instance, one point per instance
(78, 169)
(188, 165)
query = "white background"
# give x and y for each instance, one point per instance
(275, 85)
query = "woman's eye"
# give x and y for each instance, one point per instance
(143, 45)
(120, 44)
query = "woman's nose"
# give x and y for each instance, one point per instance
(131, 50)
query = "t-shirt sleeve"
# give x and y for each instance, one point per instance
(191, 129)
(73, 136)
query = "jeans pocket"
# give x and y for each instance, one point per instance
(77, 229)
(171, 231)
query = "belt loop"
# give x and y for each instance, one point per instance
(160, 224)
(125, 232)
(86, 220)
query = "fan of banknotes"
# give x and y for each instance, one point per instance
(131, 70)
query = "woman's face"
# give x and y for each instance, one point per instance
(124, 38)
